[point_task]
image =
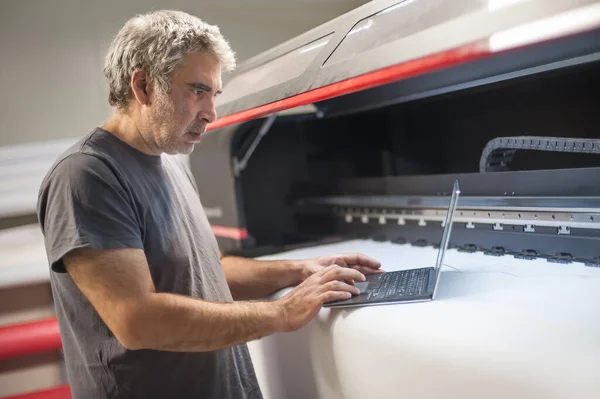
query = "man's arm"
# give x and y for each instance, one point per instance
(254, 279)
(118, 284)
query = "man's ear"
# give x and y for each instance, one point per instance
(140, 85)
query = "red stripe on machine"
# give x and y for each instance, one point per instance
(379, 77)
(235, 233)
(28, 338)
(60, 392)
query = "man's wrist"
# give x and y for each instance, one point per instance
(275, 312)
(298, 271)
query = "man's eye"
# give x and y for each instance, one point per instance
(198, 92)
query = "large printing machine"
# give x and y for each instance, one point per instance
(348, 138)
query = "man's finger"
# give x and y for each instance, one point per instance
(330, 296)
(337, 272)
(337, 285)
(367, 270)
(339, 260)
(362, 260)
(326, 269)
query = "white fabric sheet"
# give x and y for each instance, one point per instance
(498, 328)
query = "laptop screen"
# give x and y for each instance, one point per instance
(447, 228)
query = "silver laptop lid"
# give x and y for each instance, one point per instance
(447, 229)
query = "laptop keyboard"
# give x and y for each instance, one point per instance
(401, 283)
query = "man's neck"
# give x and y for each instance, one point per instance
(125, 127)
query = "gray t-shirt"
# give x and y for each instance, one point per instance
(103, 193)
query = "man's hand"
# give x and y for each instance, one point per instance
(301, 304)
(356, 261)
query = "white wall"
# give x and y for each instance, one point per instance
(51, 52)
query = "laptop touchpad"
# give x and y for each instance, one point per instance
(362, 286)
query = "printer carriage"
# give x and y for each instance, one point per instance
(359, 127)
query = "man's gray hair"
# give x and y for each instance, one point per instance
(156, 43)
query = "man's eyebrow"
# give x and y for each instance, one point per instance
(202, 86)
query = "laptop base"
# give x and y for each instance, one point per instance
(392, 294)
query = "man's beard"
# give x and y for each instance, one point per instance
(163, 123)
(161, 126)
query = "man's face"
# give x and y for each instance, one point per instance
(173, 122)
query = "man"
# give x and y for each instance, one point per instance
(145, 304)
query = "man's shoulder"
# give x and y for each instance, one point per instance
(78, 163)
(77, 157)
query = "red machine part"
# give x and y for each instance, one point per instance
(430, 63)
(60, 392)
(27, 338)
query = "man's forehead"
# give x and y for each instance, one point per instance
(200, 61)
(200, 67)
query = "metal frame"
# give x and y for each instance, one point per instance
(240, 165)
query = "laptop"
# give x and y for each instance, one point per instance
(415, 285)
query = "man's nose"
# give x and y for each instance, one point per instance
(209, 111)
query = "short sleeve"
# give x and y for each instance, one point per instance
(82, 204)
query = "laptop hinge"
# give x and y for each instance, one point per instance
(431, 282)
